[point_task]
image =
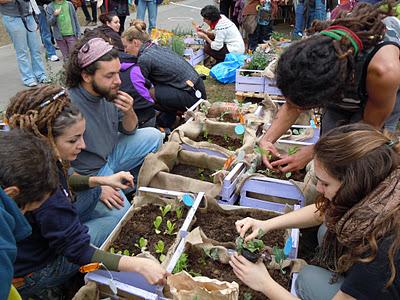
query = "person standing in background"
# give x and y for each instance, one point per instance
(90, 21)
(21, 28)
(151, 6)
(45, 32)
(120, 8)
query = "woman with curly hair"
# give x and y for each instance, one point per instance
(358, 173)
(350, 67)
(60, 243)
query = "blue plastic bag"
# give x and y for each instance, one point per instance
(225, 72)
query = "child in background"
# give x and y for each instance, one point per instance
(257, 22)
(62, 18)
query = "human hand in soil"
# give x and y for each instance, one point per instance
(120, 180)
(296, 161)
(270, 148)
(124, 102)
(150, 269)
(242, 226)
(111, 197)
(254, 276)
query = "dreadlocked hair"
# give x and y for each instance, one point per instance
(359, 157)
(315, 71)
(73, 69)
(39, 110)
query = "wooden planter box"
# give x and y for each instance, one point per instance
(252, 81)
(194, 57)
(134, 284)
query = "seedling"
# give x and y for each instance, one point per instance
(223, 114)
(170, 228)
(292, 150)
(181, 264)
(194, 274)
(126, 252)
(279, 257)
(157, 223)
(252, 249)
(205, 134)
(142, 244)
(201, 174)
(159, 248)
(179, 212)
(226, 138)
(166, 209)
(212, 253)
(263, 152)
(247, 296)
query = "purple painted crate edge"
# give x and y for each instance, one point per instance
(245, 87)
(208, 151)
(271, 88)
(232, 200)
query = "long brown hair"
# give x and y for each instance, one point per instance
(136, 31)
(361, 158)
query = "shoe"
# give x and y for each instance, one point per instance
(93, 23)
(31, 84)
(54, 58)
(45, 80)
(88, 23)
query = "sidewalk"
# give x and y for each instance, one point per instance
(169, 16)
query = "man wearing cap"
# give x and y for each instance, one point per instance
(113, 142)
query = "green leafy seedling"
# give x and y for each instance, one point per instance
(179, 212)
(194, 274)
(170, 228)
(288, 175)
(159, 247)
(205, 134)
(247, 296)
(279, 257)
(142, 245)
(212, 253)
(126, 252)
(157, 223)
(181, 264)
(201, 174)
(263, 152)
(112, 250)
(222, 115)
(226, 138)
(166, 209)
(292, 150)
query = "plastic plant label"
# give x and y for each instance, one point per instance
(198, 94)
(112, 286)
(239, 129)
(288, 246)
(312, 124)
(188, 200)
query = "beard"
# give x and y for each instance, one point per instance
(107, 93)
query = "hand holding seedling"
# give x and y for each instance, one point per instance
(111, 197)
(253, 275)
(120, 180)
(296, 161)
(267, 151)
(242, 226)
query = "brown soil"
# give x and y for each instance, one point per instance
(198, 262)
(193, 172)
(229, 117)
(224, 142)
(295, 175)
(222, 228)
(141, 225)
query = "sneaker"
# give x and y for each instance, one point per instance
(45, 80)
(88, 23)
(93, 23)
(54, 58)
(31, 84)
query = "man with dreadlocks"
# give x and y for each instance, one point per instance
(112, 141)
(361, 211)
(350, 67)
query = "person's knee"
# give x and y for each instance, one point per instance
(153, 137)
(304, 281)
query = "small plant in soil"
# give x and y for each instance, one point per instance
(165, 209)
(205, 134)
(222, 115)
(170, 228)
(252, 249)
(159, 248)
(181, 264)
(247, 296)
(142, 244)
(179, 212)
(280, 256)
(211, 253)
(157, 223)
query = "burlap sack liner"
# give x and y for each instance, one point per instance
(156, 167)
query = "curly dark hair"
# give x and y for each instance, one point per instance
(315, 71)
(210, 12)
(107, 17)
(73, 70)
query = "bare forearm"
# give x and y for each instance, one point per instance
(286, 116)
(274, 291)
(302, 218)
(129, 121)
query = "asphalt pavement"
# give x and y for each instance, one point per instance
(179, 14)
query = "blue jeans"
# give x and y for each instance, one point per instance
(393, 119)
(45, 283)
(302, 22)
(151, 9)
(45, 33)
(26, 43)
(128, 154)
